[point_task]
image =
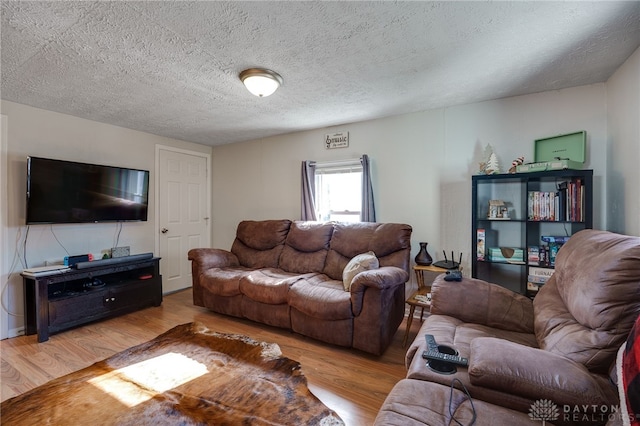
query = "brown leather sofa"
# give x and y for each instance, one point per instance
(290, 275)
(558, 349)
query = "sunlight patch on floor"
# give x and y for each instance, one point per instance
(139, 382)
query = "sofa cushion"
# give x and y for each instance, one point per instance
(391, 243)
(258, 244)
(587, 308)
(359, 263)
(306, 247)
(321, 297)
(223, 281)
(269, 285)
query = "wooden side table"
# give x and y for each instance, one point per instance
(421, 299)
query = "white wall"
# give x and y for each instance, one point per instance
(422, 163)
(623, 117)
(37, 132)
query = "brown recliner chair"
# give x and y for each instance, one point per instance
(559, 348)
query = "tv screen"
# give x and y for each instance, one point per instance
(69, 192)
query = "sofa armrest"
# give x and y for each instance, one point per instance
(381, 278)
(534, 373)
(207, 258)
(203, 259)
(479, 302)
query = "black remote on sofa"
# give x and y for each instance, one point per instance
(439, 356)
(431, 343)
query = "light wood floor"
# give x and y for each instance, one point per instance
(352, 383)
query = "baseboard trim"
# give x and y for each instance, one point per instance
(15, 332)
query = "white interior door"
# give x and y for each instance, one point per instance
(183, 213)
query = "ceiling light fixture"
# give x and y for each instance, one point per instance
(261, 82)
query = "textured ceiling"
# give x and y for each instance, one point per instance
(171, 68)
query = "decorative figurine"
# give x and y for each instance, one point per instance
(491, 165)
(515, 163)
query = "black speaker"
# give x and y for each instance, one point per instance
(115, 260)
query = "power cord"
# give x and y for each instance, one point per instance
(12, 269)
(24, 246)
(451, 411)
(118, 230)
(56, 238)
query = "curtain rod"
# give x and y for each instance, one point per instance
(337, 163)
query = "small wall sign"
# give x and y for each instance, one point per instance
(336, 140)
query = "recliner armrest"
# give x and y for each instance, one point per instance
(535, 374)
(479, 302)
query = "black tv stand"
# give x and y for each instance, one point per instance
(61, 300)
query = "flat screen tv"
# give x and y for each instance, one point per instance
(68, 192)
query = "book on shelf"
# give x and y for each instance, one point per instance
(480, 248)
(557, 239)
(553, 253)
(533, 255)
(533, 287)
(547, 253)
(537, 277)
(542, 206)
(567, 203)
(537, 271)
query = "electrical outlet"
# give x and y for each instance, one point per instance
(120, 251)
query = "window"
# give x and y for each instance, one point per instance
(338, 191)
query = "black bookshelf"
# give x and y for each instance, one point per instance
(528, 220)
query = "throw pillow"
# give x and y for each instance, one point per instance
(357, 264)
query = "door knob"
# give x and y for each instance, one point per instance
(164, 230)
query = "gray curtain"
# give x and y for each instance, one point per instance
(308, 210)
(368, 213)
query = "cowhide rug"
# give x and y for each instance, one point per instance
(186, 376)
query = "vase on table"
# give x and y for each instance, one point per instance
(423, 257)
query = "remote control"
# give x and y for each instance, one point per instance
(431, 343)
(438, 356)
(454, 275)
